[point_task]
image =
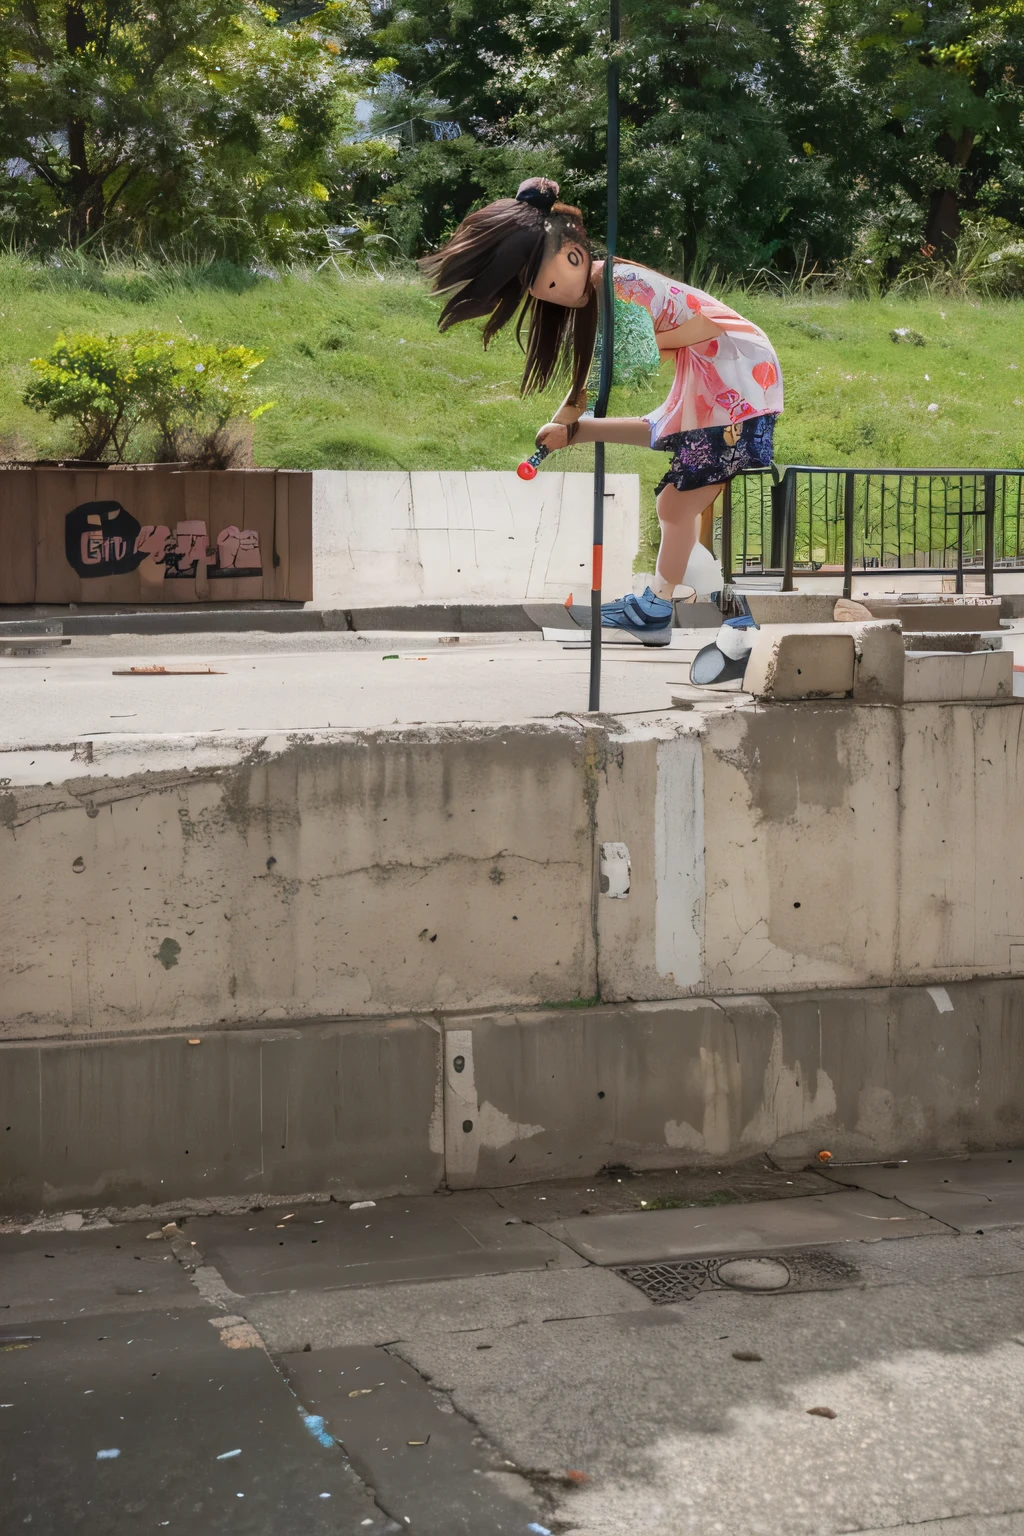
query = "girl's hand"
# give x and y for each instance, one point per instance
(552, 436)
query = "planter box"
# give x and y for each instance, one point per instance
(155, 534)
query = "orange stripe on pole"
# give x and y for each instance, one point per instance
(598, 568)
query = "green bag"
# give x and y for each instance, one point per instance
(636, 359)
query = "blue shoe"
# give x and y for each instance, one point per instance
(647, 618)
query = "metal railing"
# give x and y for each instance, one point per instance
(816, 522)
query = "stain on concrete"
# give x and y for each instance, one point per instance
(168, 953)
(794, 755)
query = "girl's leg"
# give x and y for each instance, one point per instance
(679, 514)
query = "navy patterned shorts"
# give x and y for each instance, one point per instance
(704, 457)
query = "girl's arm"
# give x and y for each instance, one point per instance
(633, 430)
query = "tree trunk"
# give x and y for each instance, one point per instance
(85, 188)
(87, 207)
(943, 228)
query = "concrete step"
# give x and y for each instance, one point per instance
(981, 1192)
(811, 1221)
(501, 1099)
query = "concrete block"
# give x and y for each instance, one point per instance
(698, 615)
(791, 607)
(878, 661)
(650, 798)
(316, 876)
(949, 614)
(943, 676)
(960, 909)
(879, 668)
(801, 844)
(797, 664)
(352, 1107)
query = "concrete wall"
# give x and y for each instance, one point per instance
(449, 536)
(295, 878)
(815, 845)
(255, 894)
(157, 886)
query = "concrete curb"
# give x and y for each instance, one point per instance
(446, 618)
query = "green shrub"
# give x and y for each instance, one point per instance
(92, 382)
(197, 398)
(200, 400)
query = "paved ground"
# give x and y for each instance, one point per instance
(568, 1358)
(315, 682)
(310, 682)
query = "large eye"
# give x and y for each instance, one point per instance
(574, 258)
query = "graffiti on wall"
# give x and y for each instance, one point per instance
(102, 538)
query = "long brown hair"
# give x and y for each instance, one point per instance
(491, 262)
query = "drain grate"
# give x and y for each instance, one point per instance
(683, 1280)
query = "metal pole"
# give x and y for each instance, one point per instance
(726, 536)
(848, 534)
(607, 354)
(789, 524)
(990, 534)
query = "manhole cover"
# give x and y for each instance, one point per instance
(682, 1280)
(754, 1274)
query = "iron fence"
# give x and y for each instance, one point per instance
(818, 522)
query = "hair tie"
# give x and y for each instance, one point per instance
(543, 198)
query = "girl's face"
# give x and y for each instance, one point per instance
(564, 277)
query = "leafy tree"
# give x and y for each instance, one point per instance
(719, 163)
(454, 60)
(708, 175)
(201, 122)
(940, 87)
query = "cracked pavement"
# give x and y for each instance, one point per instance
(477, 1363)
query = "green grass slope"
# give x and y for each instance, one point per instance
(362, 380)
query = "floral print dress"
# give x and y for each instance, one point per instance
(724, 382)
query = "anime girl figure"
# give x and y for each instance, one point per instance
(531, 254)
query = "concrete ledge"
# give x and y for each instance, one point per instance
(358, 1108)
(865, 1074)
(347, 1107)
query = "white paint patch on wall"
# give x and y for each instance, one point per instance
(679, 862)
